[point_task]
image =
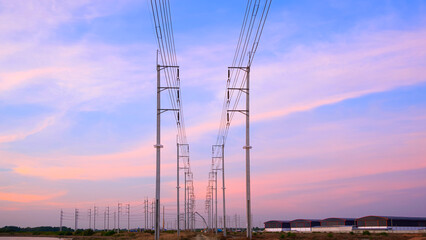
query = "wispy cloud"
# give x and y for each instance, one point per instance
(28, 198)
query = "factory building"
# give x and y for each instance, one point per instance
(391, 223)
(384, 223)
(277, 226)
(336, 225)
(304, 225)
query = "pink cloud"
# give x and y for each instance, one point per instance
(28, 198)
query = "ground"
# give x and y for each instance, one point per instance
(259, 235)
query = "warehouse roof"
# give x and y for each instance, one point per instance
(280, 221)
(396, 218)
(335, 218)
(305, 220)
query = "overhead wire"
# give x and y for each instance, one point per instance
(247, 44)
(163, 26)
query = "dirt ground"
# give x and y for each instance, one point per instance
(258, 235)
(329, 236)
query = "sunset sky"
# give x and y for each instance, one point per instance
(338, 104)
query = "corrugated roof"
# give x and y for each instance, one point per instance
(306, 220)
(280, 221)
(397, 218)
(346, 219)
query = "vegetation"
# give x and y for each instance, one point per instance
(108, 233)
(15, 229)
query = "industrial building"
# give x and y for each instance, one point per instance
(391, 223)
(336, 225)
(384, 223)
(277, 226)
(304, 225)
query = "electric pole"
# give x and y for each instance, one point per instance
(104, 219)
(152, 215)
(75, 219)
(95, 212)
(145, 207)
(223, 189)
(163, 218)
(118, 217)
(128, 217)
(60, 221)
(247, 147)
(90, 218)
(115, 217)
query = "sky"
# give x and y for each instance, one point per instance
(338, 122)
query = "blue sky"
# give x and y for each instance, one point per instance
(337, 99)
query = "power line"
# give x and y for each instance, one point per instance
(166, 53)
(238, 81)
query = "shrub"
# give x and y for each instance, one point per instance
(352, 233)
(290, 234)
(88, 232)
(282, 236)
(366, 233)
(64, 233)
(330, 235)
(108, 233)
(383, 233)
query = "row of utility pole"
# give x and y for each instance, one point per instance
(182, 161)
(218, 160)
(237, 85)
(122, 210)
(95, 215)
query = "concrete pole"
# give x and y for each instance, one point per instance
(223, 189)
(163, 217)
(247, 148)
(146, 213)
(185, 204)
(108, 218)
(177, 190)
(188, 206)
(60, 221)
(115, 217)
(128, 217)
(94, 218)
(75, 219)
(215, 199)
(152, 215)
(158, 147)
(104, 219)
(212, 215)
(118, 217)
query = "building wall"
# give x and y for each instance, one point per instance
(373, 227)
(301, 229)
(407, 228)
(273, 229)
(333, 229)
(277, 229)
